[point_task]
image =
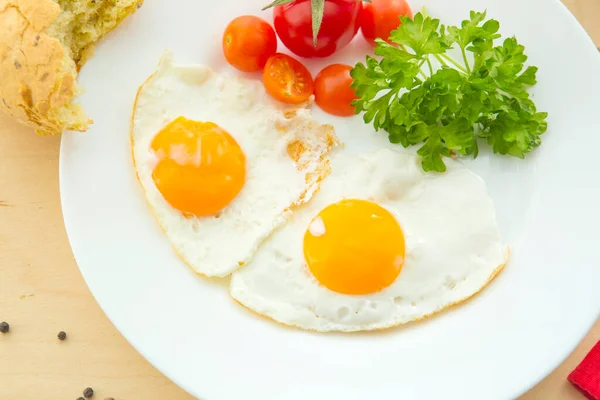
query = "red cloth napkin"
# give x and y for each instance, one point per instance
(586, 377)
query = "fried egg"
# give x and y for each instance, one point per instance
(382, 243)
(220, 163)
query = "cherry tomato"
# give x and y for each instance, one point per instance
(248, 42)
(293, 23)
(380, 17)
(287, 79)
(333, 92)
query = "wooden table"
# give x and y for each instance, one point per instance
(42, 292)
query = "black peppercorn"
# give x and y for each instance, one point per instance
(62, 335)
(88, 392)
(80, 398)
(4, 327)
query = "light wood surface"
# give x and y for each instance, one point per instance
(42, 292)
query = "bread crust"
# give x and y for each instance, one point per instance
(34, 75)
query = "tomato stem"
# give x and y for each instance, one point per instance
(318, 8)
(277, 3)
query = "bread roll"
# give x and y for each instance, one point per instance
(43, 43)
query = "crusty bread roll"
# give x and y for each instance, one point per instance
(43, 43)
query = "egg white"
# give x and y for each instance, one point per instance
(453, 247)
(276, 179)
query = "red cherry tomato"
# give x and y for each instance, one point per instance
(380, 17)
(333, 92)
(287, 79)
(293, 23)
(248, 42)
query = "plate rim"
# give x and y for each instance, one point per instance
(64, 199)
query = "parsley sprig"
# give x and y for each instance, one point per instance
(418, 94)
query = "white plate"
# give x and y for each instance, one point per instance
(494, 347)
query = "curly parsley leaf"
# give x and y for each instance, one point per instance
(418, 94)
(432, 152)
(422, 34)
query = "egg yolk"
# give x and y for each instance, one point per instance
(200, 167)
(354, 247)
